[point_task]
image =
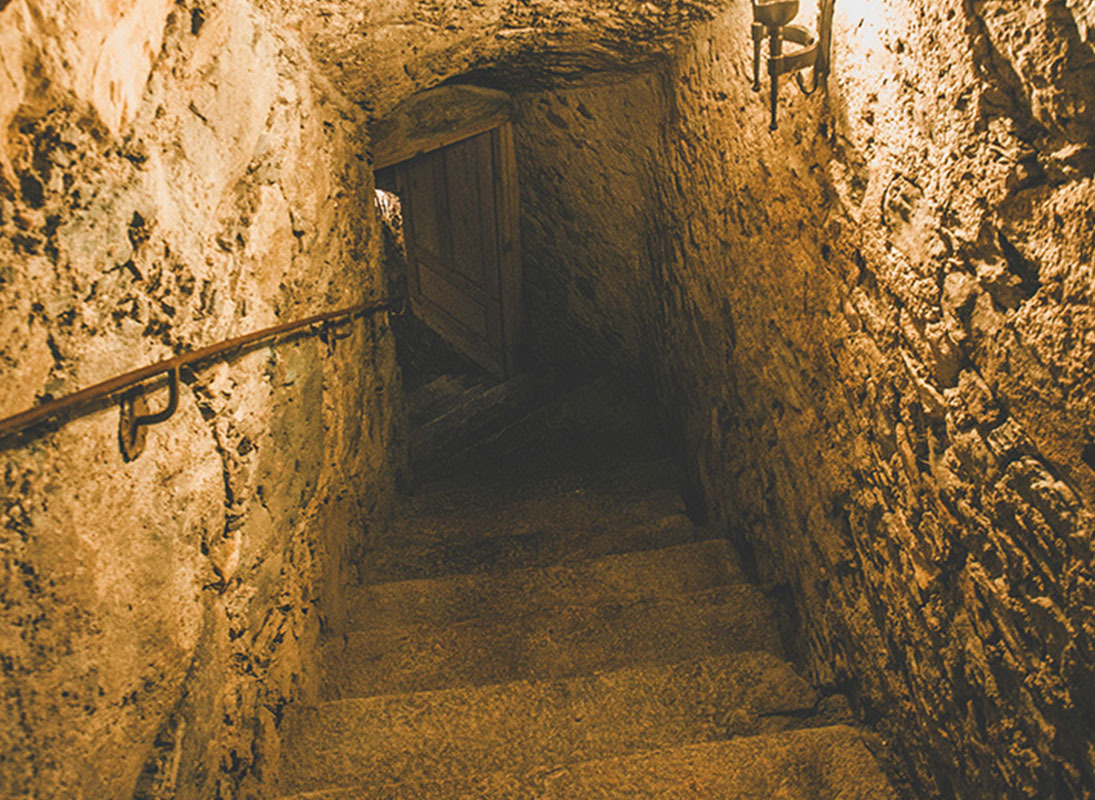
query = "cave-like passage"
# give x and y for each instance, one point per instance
(868, 333)
(545, 602)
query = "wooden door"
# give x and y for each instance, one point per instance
(460, 227)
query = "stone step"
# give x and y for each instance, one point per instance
(432, 399)
(526, 724)
(470, 491)
(500, 595)
(603, 422)
(830, 763)
(472, 415)
(569, 510)
(555, 643)
(434, 557)
(450, 517)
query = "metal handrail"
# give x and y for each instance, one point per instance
(109, 389)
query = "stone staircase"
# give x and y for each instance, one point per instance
(565, 635)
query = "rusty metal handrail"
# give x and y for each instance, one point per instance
(109, 389)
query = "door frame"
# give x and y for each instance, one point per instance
(439, 118)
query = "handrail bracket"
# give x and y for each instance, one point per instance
(134, 419)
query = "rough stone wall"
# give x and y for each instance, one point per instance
(174, 174)
(589, 156)
(876, 327)
(380, 52)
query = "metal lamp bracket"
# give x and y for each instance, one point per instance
(771, 20)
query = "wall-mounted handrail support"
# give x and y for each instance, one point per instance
(132, 420)
(771, 20)
(330, 335)
(134, 417)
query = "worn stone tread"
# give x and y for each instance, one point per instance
(576, 428)
(553, 643)
(431, 399)
(533, 547)
(470, 490)
(829, 763)
(645, 573)
(574, 510)
(478, 409)
(524, 724)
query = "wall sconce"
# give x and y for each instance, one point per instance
(771, 19)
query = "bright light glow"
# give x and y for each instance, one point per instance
(862, 19)
(390, 209)
(388, 204)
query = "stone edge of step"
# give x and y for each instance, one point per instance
(764, 691)
(593, 510)
(730, 661)
(752, 619)
(851, 744)
(442, 496)
(361, 597)
(390, 563)
(722, 595)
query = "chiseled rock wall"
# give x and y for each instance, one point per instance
(589, 162)
(381, 51)
(877, 329)
(174, 174)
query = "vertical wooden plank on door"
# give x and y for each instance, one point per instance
(461, 191)
(507, 203)
(424, 227)
(469, 178)
(488, 236)
(450, 288)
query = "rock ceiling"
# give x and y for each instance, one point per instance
(379, 52)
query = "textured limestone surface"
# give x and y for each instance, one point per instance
(876, 330)
(430, 519)
(450, 599)
(547, 644)
(831, 762)
(596, 154)
(525, 550)
(523, 725)
(171, 175)
(381, 52)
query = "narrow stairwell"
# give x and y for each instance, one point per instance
(544, 621)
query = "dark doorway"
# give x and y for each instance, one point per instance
(449, 156)
(460, 229)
